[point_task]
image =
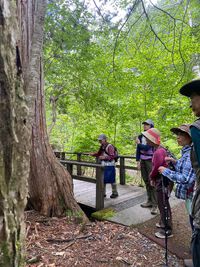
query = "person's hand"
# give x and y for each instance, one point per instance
(153, 183)
(137, 141)
(91, 154)
(138, 165)
(170, 159)
(102, 157)
(161, 169)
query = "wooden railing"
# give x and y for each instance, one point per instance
(98, 179)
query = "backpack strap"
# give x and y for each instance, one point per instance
(106, 151)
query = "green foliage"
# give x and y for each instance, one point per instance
(108, 78)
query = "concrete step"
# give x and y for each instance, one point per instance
(135, 214)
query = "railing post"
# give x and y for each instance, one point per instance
(63, 155)
(70, 168)
(122, 174)
(99, 188)
(79, 166)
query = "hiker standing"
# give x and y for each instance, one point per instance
(182, 174)
(144, 154)
(153, 138)
(106, 154)
(192, 90)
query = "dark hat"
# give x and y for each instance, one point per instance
(189, 88)
(102, 136)
(149, 122)
(183, 128)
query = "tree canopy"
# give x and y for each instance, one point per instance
(108, 70)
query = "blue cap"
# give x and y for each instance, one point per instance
(150, 122)
(102, 136)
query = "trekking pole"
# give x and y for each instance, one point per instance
(165, 193)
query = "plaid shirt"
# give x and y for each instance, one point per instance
(183, 176)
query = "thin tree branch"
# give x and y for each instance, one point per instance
(147, 16)
(167, 13)
(99, 10)
(118, 34)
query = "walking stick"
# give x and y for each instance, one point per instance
(165, 195)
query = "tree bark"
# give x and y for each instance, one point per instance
(14, 140)
(50, 185)
(22, 115)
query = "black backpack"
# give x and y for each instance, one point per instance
(116, 152)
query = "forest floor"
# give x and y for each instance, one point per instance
(63, 242)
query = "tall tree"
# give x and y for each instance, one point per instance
(14, 138)
(23, 135)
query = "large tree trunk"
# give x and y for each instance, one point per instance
(21, 85)
(50, 185)
(14, 140)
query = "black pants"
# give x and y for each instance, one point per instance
(163, 201)
(196, 248)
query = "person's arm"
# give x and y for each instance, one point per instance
(157, 161)
(137, 153)
(186, 176)
(97, 154)
(138, 141)
(144, 147)
(195, 133)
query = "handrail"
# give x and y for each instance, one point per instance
(99, 178)
(88, 154)
(82, 163)
(121, 165)
(99, 172)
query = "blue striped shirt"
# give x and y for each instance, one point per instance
(183, 176)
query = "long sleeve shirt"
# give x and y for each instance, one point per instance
(183, 175)
(107, 150)
(195, 133)
(157, 161)
(143, 151)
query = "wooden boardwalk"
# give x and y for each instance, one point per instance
(129, 195)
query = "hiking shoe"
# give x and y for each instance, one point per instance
(154, 211)
(146, 205)
(162, 235)
(114, 195)
(158, 225)
(188, 263)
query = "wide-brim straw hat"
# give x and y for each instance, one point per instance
(185, 128)
(190, 88)
(153, 135)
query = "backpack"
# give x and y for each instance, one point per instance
(116, 152)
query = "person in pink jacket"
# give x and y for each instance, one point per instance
(163, 190)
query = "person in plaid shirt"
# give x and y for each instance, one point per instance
(183, 174)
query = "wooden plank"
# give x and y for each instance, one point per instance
(122, 174)
(85, 194)
(82, 163)
(99, 188)
(79, 166)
